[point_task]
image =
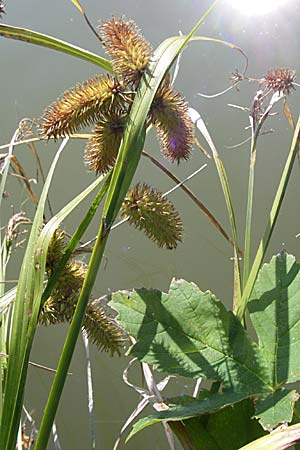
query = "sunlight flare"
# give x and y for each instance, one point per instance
(257, 7)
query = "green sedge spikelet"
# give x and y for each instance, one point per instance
(82, 106)
(100, 328)
(169, 114)
(102, 148)
(148, 210)
(129, 50)
(60, 306)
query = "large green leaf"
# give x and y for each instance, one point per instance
(213, 402)
(275, 408)
(275, 313)
(226, 429)
(190, 333)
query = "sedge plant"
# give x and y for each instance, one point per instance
(134, 95)
(185, 331)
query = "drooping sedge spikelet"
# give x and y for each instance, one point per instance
(60, 306)
(128, 49)
(82, 106)
(100, 328)
(102, 148)
(169, 114)
(280, 80)
(149, 211)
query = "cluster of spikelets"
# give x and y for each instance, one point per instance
(106, 101)
(60, 306)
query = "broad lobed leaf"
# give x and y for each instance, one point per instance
(190, 333)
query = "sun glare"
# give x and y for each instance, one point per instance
(257, 7)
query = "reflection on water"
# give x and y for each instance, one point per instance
(32, 78)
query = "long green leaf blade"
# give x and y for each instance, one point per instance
(33, 37)
(263, 245)
(12, 405)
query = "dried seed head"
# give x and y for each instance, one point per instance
(13, 226)
(149, 211)
(169, 113)
(82, 105)
(280, 80)
(128, 49)
(102, 148)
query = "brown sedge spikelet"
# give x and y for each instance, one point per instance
(102, 148)
(148, 210)
(82, 106)
(280, 80)
(60, 306)
(169, 114)
(129, 50)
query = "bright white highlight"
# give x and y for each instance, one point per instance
(257, 7)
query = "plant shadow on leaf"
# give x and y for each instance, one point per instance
(190, 333)
(275, 311)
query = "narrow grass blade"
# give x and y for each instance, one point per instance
(255, 133)
(39, 264)
(228, 200)
(33, 37)
(89, 390)
(14, 386)
(263, 245)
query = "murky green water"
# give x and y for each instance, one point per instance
(32, 77)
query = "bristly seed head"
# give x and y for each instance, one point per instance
(280, 80)
(61, 304)
(169, 114)
(128, 49)
(149, 211)
(102, 148)
(82, 106)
